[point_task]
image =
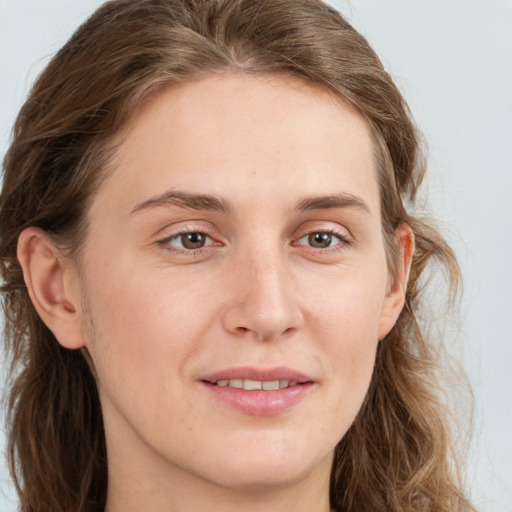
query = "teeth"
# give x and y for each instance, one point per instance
(236, 383)
(252, 385)
(255, 385)
(270, 385)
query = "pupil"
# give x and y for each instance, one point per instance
(320, 240)
(193, 240)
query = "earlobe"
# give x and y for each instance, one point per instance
(396, 294)
(45, 274)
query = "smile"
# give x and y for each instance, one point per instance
(258, 392)
(256, 385)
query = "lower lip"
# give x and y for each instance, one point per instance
(260, 403)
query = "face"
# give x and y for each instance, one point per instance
(235, 283)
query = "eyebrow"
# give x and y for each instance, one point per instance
(332, 201)
(186, 200)
(219, 204)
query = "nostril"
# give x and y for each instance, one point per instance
(243, 331)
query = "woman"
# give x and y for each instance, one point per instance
(211, 280)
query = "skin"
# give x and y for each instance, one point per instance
(155, 316)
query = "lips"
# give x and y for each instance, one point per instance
(258, 392)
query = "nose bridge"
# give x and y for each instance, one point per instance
(264, 302)
(269, 286)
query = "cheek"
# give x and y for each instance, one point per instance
(348, 303)
(140, 320)
(143, 335)
(345, 319)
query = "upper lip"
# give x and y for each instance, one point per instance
(259, 374)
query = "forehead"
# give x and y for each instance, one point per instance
(243, 135)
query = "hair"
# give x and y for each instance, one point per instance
(398, 455)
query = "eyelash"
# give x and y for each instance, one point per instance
(344, 240)
(165, 243)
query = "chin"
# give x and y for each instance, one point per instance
(266, 470)
(265, 479)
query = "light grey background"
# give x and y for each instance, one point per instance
(453, 61)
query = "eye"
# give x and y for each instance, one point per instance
(322, 239)
(191, 240)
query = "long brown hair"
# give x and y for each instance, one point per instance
(397, 456)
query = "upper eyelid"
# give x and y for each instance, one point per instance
(323, 227)
(169, 230)
(185, 231)
(200, 226)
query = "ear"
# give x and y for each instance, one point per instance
(396, 293)
(52, 286)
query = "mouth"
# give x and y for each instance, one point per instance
(257, 379)
(255, 385)
(259, 392)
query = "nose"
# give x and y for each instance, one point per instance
(263, 299)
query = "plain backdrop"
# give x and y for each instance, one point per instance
(452, 59)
